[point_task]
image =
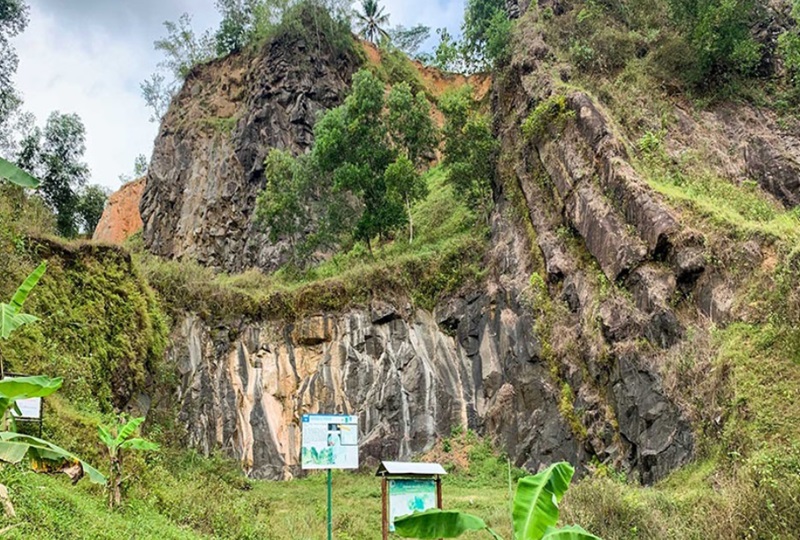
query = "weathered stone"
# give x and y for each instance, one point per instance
(776, 173)
(208, 161)
(660, 437)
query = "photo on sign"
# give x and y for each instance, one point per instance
(329, 442)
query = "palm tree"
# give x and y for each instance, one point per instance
(371, 20)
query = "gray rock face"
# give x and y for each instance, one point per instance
(410, 382)
(207, 165)
(776, 173)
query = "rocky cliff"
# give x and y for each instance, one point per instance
(207, 164)
(121, 217)
(596, 282)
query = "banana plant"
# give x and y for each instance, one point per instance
(11, 316)
(534, 516)
(15, 175)
(44, 456)
(116, 443)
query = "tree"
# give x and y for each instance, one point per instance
(356, 144)
(409, 40)
(91, 203)
(470, 150)
(362, 175)
(448, 55)
(182, 50)
(55, 156)
(140, 166)
(118, 441)
(535, 513)
(371, 20)
(478, 19)
(13, 20)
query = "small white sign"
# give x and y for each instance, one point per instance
(29, 408)
(330, 441)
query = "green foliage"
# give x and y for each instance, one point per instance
(118, 440)
(449, 53)
(13, 389)
(535, 512)
(11, 316)
(470, 149)
(371, 21)
(91, 203)
(409, 40)
(55, 155)
(440, 524)
(44, 456)
(395, 68)
(550, 112)
(15, 175)
(13, 20)
(361, 154)
(718, 32)
(486, 31)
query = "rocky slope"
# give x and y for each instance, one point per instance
(505, 360)
(121, 217)
(207, 164)
(596, 282)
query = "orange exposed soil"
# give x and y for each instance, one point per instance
(121, 217)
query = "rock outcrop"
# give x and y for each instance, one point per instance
(208, 161)
(121, 217)
(410, 380)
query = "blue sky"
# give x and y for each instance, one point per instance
(89, 56)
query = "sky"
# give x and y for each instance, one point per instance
(89, 57)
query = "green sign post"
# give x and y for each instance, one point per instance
(330, 441)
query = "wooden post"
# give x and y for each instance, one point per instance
(384, 508)
(439, 493)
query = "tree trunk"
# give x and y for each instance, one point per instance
(115, 482)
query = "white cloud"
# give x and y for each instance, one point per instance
(89, 56)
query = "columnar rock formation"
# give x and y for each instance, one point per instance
(208, 162)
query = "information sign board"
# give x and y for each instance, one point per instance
(409, 496)
(330, 441)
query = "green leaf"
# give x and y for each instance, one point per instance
(10, 320)
(437, 524)
(569, 533)
(25, 289)
(128, 429)
(15, 446)
(17, 176)
(12, 452)
(105, 437)
(139, 444)
(15, 388)
(536, 501)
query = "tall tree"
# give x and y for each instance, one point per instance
(55, 155)
(89, 208)
(371, 21)
(13, 20)
(409, 40)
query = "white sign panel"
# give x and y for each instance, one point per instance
(330, 441)
(30, 408)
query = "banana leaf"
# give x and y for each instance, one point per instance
(15, 175)
(439, 524)
(45, 456)
(536, 501)
(10, 316)
(13, 389)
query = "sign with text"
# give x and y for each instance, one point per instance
(330, 441)
(30, 408)
(409, 496)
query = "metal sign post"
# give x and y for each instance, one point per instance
(330, 441)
